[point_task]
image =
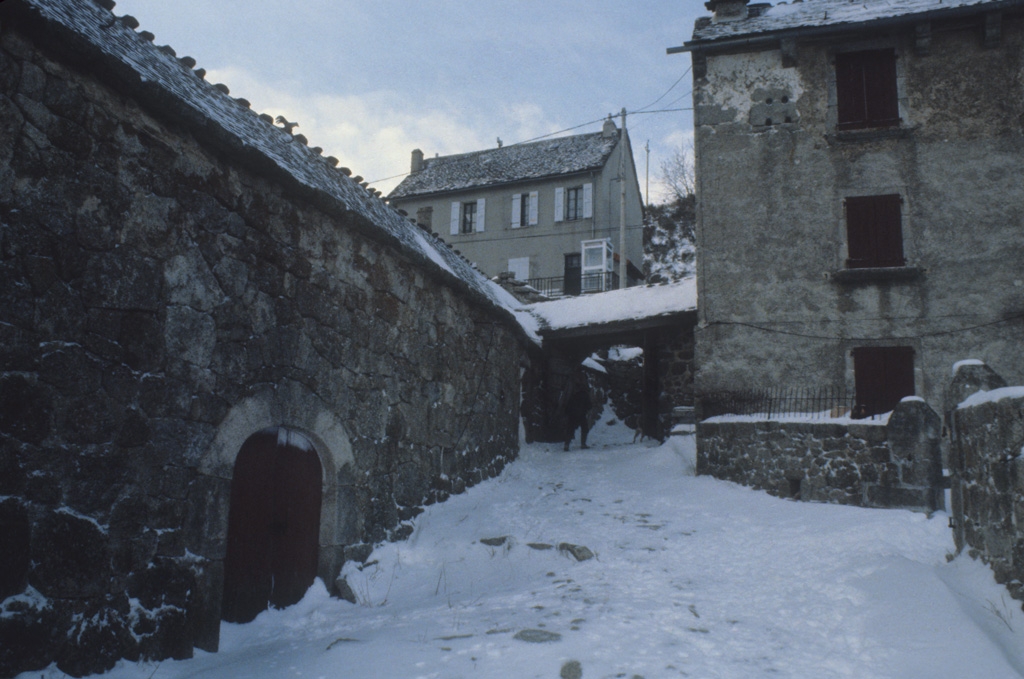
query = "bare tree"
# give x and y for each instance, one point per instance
(669, 226)
(678, 174)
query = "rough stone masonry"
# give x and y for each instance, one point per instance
(163, 297)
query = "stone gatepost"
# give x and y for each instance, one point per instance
(969, 377)
(914, 433)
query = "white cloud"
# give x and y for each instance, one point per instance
(374, 133)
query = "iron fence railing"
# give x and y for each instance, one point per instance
(558, 286)
(815, 403)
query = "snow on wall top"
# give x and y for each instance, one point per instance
(629, 304)
(980, 397)
(206, 105)
(518, 162)
(812, 13)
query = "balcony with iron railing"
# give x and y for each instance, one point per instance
(562, 286)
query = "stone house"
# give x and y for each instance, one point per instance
(216, 348)
(546, 211)
(860, 171)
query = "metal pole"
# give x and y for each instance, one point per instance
(622, 201)
(647, 174)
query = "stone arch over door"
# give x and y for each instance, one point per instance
(273, 524)
(292, 405)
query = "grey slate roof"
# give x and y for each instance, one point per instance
(765, 19)
(518, 162)
(156, 75)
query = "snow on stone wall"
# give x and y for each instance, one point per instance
(895, 465)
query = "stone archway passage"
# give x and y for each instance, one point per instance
(273, 524)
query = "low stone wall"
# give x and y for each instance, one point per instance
(987, 465)
(897, 464)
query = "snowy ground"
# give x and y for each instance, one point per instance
(692, 577)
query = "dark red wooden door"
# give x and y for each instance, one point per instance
(882, 377)
(273, 524)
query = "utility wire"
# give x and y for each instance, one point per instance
(666, 91)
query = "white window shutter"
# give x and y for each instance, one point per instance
(456, 213)
(533, 208)
(517, 211)
(481, 211)
(559, 204)
(520, 266)
(588, 201)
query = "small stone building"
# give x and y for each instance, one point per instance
(226, 367)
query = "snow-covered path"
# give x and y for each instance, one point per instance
(692, 577)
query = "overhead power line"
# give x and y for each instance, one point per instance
(665, 94)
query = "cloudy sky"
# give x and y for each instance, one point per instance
(370, 80)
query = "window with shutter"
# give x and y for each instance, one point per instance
(519, 267)
(469, 217)
(517, 211)
(524, 209)
(481, 215)
(574, 203)
(882, 376)
(456, 213)
(866, 93)
(874, 231)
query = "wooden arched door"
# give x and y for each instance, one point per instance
(273, 524)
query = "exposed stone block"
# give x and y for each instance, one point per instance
(71, 558)
(26, 408)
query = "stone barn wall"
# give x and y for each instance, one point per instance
(162, 300)
(895, 464)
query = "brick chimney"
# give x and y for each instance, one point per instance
(727, 10)
(417, 160)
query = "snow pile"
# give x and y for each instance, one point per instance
(624, 353)
(690, 577)
(628, 304)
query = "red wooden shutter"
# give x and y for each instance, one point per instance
(880, 94)
(866, 92)
(874, 231)
(889, 231)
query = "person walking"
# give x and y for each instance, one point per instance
(576, 410)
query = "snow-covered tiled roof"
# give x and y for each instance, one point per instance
(158, 75)
(616, 306)
(827, 13)
(518, 162)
